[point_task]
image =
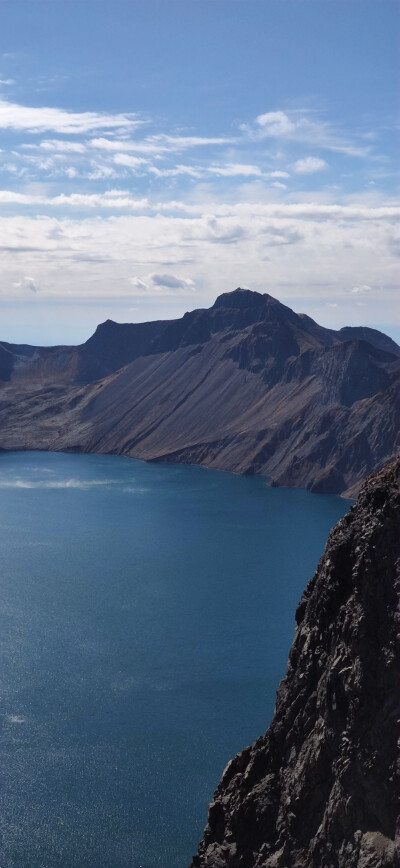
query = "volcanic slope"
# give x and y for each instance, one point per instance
(247, 386)
(321, 788)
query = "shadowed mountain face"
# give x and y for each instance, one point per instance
(321, 788)
(112, 346)
(247, 385)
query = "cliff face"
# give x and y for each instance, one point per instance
(247, 386)
(321, 788)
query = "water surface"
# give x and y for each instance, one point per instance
(146, 616)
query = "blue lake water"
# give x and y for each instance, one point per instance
(146, 615)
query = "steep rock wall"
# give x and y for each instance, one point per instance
(321, 788)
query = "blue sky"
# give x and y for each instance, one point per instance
(155, 154)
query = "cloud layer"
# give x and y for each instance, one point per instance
(108, 207)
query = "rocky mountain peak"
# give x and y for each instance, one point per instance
(240, 298)
(321, 788)
(247, 299)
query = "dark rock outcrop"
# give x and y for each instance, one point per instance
(321, 788)
(247, 386)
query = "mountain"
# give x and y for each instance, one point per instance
(112, 346)
(321, 788)
(247, 385)
(372, 336)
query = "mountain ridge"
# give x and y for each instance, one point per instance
(111, 347)
(247, 385)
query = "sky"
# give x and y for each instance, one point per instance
(156, 153)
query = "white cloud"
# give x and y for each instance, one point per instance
(118, 150)
(232, 169)
(99, 172)
(190, 171)
(302, 253)
(142, 146)
(61, 146)
(170, 281)
(119, 199)
(306, 127)
(275, 124)
(182, 142)
(360, 290)
(129, 161)
(236, 225)
(156, 283)
(32, 119)
(11, 197)
(279, 174)
(225, 230)
(139, 284)
(110, 199)
(27, 283)
(309, 165)
(157, 144)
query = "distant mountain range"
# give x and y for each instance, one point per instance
(246, 385)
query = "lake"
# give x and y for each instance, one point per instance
(146, 615)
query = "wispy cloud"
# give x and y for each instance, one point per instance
(143, 146)
(129, 160)
(360, 290)
(39, 119)
(101, 172)
(95, 146)
(188, 171)
(61, 146)
(233, 169)
(304, 127)
(229, 170)
(309, 165)
(157, 144)
(183, 142)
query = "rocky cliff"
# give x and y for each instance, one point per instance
(321, 788)
(247, 385)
